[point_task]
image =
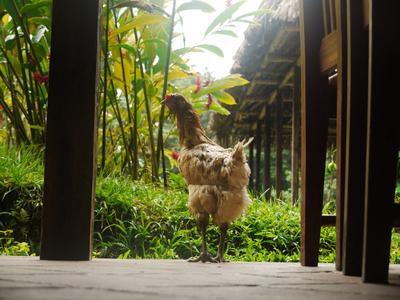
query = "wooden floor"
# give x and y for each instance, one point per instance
(30, 278)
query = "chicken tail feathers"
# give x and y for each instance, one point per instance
(238, 151)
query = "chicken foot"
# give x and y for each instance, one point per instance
(204, 255)
(221, 245)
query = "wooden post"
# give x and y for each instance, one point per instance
(383, 138)
(314, 123)
(279, 147)
(296, 136)
(258, 158)
(71, 136)
(267, 155)
(340, 124)
(357, 79)
(251, 164)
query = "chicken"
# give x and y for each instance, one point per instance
(217, 178)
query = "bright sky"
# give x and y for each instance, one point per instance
(195, 25)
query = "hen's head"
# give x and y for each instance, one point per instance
(177, 104)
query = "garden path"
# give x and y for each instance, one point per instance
(30, 278)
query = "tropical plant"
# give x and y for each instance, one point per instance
(139, 67)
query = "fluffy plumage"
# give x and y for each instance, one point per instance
(217, 177)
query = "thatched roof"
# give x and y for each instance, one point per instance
(267, 55)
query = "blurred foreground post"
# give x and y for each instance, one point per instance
(71, 137)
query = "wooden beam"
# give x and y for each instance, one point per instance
(278, 147)
(357, 83)
(328, 52)
(383, 138)
(328, 220)
(314, 123)
(295, 164)
(258, 157)
(251, 163)
(341, 16)
(70, 159)
(265, 82)
(267, 156)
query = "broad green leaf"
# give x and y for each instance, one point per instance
(215, 106)
(186, 50)
(223, 16)
(214, 49)
(196, 5)
(141, 4)
(41, 21)
(37, 127)
(127, 47)
(33, 7)
(41, 30)
(221, 84)
(226, 32)
(139, 22)
(224, 97)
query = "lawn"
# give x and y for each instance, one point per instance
(142, 220)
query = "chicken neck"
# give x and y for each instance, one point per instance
(191, 133)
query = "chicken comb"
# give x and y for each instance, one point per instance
(168, 97)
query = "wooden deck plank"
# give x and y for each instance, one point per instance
(28, 278)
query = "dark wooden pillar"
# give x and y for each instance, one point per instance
(296, 136)
(278, 145)
(383, 135)
(71, 131)
(357, 89)
(251, 164)
(267, 154)
(341, 22)
(314, 122)
(258, 157)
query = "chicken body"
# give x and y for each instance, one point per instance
(217, 178)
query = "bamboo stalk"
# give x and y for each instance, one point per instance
(160, 142)
(104, 124)
(148, 113)
(27, 36)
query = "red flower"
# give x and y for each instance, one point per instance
(175, 155)
(209, 102)
(40, 78)
(197, 82)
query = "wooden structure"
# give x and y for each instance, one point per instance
(342, 90)
(71, 145)
(334, 58)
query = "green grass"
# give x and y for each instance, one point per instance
(139, 220)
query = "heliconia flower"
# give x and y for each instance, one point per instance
(175, 155)
(197, 82)
(209, 101)
(40, 78)
(37, 77)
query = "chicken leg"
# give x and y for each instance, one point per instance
(204, 255)
(221, 246)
